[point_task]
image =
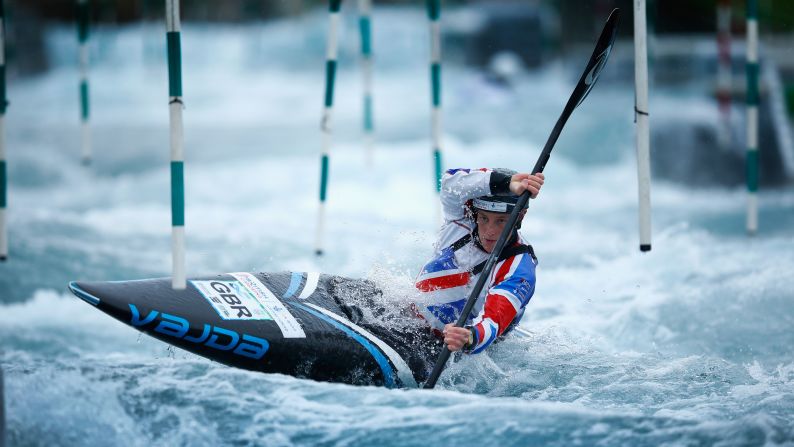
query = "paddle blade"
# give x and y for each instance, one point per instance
(599, 58)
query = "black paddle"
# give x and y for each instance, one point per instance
(586, 82)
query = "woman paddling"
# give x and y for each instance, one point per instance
(476, 206)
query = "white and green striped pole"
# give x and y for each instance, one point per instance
(325, 126)
(434, 14)
(365, 27)
(753, 98)
(83, 16)
(643, 125)
(177, 149)
(3, 169)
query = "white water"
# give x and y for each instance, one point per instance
(690, 344)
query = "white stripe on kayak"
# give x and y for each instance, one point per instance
(311, 285)
(290, 328)
(403, 371)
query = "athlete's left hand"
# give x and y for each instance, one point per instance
(523, 181)
(456, 337)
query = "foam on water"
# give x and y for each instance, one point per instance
(690, 344)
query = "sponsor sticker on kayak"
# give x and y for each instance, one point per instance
(290, 328)
(232, 300)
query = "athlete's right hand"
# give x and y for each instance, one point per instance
(456, 337)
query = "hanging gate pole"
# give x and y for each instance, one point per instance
(325, 125)
(753, 99)
(3, 168)
(643, 126)
(175, 105)
(434, 14)
(365, 27)
(724, 78)
(83, 17)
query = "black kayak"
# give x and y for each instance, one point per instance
(307, 325)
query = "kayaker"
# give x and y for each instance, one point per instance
(476, 206)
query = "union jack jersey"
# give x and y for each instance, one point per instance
(447, 280)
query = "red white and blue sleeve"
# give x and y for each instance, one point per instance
(512, 286)
(460, 185)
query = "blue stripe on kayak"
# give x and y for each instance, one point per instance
(82, 294)
(294, 283)
(382, 361)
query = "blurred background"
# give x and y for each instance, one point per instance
(498, 37)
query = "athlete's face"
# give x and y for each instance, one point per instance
(489, 227)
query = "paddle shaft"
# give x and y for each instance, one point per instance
(586, 82)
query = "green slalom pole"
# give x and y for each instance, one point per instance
(365, 27)
(753, 98)
(3, 168)
(175, 105)
(434, 14)
(325, 126)
(83, 16)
